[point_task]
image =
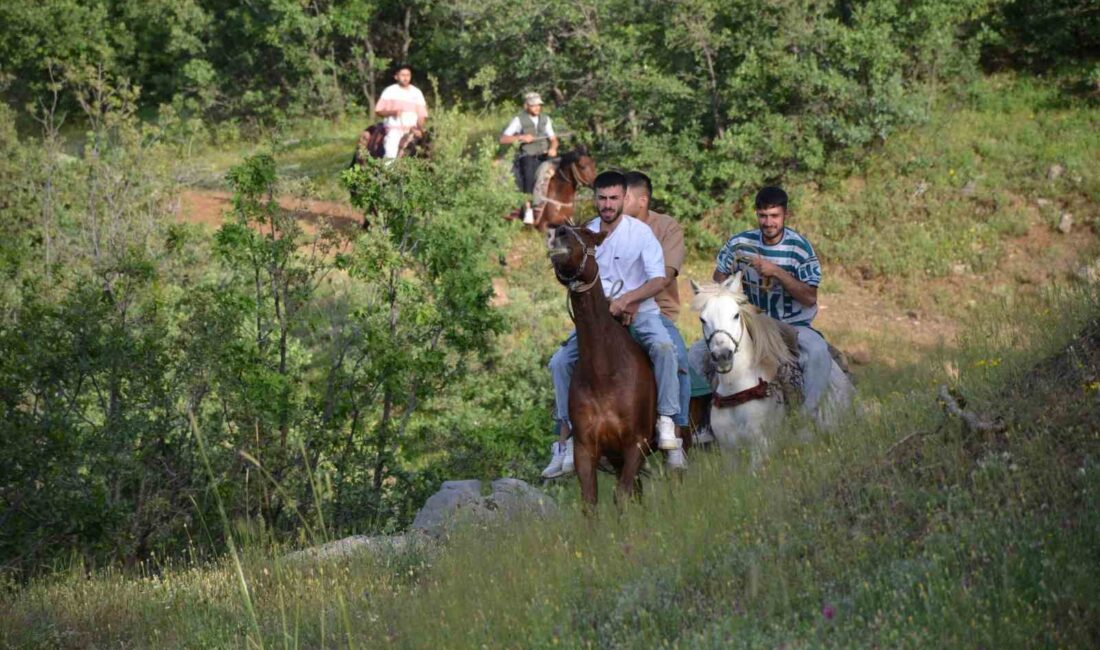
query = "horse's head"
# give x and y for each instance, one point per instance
(572, 251)
(415, 144)
(584, 169)
(721, 308)
(578, 166)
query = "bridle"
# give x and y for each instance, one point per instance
(736, 341)
(573, 281)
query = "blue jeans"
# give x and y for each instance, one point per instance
(682, 374)
(653, 336)
(816, 364)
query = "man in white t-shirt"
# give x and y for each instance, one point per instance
(403, 107)
(631, 261)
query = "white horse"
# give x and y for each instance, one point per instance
(742, 352)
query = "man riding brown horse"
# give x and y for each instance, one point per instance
(631, 271)
(534, 132)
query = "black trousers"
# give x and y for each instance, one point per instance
(524, 168)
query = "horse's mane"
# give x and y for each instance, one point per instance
(769, 349)
(570, 157)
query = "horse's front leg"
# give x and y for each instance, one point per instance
(632, 464)
(759, 449)
(585, 460)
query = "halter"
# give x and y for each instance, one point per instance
(572, 281)
(760, 391)
(736, 342)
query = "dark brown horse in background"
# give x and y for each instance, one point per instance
(613, 395)
(415, 143)
(553, 199)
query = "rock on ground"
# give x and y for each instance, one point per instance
(462, 500)
(373, 544)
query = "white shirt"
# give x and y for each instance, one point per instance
(515, 128)
(630, 254)
(410, 103)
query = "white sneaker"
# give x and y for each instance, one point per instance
(567, 458)
(675, 461)
(528, 216)
(703, 435)
(553, 470)
(666, 433)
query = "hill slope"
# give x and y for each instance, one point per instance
(900, 529)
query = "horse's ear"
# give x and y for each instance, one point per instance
(600, 236)
(695, 288)
(733, 283)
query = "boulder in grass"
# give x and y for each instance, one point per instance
(454, 500)
(462, 500)
(372, 544)
(512, 497)
(1065, 224)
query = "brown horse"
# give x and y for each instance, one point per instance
(557, 187)
(613, 395)
(415, 143)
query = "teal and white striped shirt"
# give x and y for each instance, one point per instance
(793, 254)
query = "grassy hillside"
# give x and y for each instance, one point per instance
(900, 529)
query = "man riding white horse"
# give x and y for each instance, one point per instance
(781, 274)
(632, 272)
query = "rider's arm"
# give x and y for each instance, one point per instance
(804, 293)
(631, 299)
(514, 133)
(553, 150)
(651, 288)
(653, 259)
(522, 137)
(718, 276)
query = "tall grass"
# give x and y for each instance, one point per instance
(849, 540)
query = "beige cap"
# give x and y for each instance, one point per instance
(532, 99)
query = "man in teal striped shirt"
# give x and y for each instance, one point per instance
(786, 258)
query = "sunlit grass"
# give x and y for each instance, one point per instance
(843, 541)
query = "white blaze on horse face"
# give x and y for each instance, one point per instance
(555, 244)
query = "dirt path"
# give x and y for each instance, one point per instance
(876, 321)
(208, 208)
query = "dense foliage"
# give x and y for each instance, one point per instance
(712, 96)
(333, 386)
(298, 361)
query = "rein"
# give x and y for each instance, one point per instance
(741, 258)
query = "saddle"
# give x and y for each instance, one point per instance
(543, 175)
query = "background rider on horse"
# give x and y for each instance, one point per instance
(404, 109)
(535, 134)
(781, 276)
